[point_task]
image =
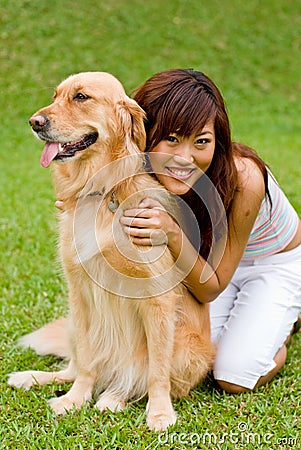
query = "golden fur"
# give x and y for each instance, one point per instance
(119, 347)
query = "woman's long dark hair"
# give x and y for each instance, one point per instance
(183, 101)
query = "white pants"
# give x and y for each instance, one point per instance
(253, 316)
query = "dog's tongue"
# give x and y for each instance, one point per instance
(50, 151)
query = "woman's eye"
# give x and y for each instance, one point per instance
(202, 141)
(80, 97)
(171, 139)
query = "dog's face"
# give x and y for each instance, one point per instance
(89, 109)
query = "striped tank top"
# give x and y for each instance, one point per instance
(274, 227)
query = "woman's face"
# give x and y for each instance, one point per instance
(179, 161)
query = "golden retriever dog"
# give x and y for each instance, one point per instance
(133, 330)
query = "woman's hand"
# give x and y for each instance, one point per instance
(59, 205)
(150, 224)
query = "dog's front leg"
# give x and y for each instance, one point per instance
(159, 323)
(79, 394)
(82, 388)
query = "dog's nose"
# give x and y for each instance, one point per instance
(39, 122)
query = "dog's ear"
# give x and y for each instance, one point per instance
(131, 120)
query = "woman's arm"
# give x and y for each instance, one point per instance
(151, 223)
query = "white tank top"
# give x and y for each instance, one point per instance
(274, 227)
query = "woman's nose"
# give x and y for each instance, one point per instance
(183, 155)
(182, 160)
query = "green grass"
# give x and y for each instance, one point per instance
(252, 51)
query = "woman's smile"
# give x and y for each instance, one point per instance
(180, 173)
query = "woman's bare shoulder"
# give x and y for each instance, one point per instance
(250, 177)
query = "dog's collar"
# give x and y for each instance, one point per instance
(113, 203)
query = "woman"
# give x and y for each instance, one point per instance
(253, 277)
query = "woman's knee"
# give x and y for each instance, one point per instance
(280, 356)
(235, 366)
(231, 388)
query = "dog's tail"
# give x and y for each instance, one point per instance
(52, 339)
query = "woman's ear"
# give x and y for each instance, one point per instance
(131, 118)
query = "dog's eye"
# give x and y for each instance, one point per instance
(80, 97)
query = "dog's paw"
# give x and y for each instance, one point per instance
(110, 402)
(161, 420)
(67, 402)
(61, 405)
(24, 380)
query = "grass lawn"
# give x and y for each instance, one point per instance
(252, 51)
